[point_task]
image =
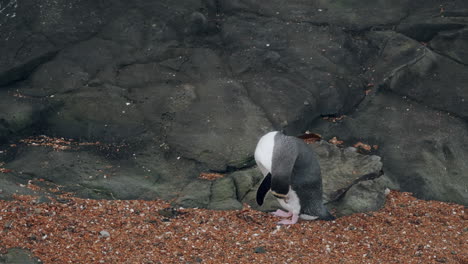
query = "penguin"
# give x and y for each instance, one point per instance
(292, 174)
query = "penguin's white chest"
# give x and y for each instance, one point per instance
(291, 203)
(264, 152)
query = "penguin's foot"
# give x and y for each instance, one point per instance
(291, 221)
(281, 213)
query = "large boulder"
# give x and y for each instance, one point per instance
(88, 172)
(223, 195)
(344, 167)
(362, 197)
(424, 149)
(195, 194)
(18, 255)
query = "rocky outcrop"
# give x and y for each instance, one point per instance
(345, 172)
(174, 88)
(422, 155)
(17, 255)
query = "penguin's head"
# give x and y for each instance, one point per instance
(280, 187)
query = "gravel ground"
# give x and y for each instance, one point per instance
(73, 230)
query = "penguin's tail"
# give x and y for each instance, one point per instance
(327, 217)
(319, 210)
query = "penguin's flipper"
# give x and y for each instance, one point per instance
(263, 189)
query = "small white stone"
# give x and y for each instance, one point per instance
(104, 233)
(387, 191)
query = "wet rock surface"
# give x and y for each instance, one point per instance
(171, 89)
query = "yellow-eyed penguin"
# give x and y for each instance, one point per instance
(292, 173)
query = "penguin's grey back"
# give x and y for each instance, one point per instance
(293, 155)
(284, 156)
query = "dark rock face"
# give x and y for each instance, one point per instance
(294, 77)
(423, 75)
(34, 32)
(175, 88)
(423, 149)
